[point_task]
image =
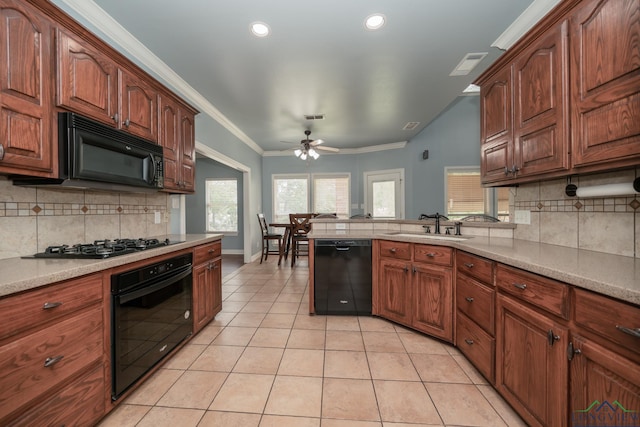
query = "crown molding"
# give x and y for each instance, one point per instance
(361, 150)
(523, 23)
(125, 41)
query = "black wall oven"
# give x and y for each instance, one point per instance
(150, 316)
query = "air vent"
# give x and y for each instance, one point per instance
(468, 63)
(314, 116)
(411, 126)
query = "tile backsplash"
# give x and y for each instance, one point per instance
(604, 224)
(33, 218)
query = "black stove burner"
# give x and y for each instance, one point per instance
(101, 248)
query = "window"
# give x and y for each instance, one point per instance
(222, 205)
(384, 193)
(290, 195)
(465, 196)
(331, 194)
(325, 193)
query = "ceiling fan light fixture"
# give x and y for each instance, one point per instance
(375, 21)
(297, 152)
(260, 29)
(303, 156)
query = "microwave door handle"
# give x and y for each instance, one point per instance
(153, 169)
(126, 297)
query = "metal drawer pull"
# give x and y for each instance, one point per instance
(468, 341)
(634, 332)
(50, 361)
(470, 299)
(1, 151)
(211, 251)
(521, 286)
(551, 337)
(468, 264)
(393, 250)
(431, 254)
(48, 305)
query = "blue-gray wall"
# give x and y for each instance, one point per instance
(196, 203)
(453, 139)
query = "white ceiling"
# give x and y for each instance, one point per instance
(320, 59)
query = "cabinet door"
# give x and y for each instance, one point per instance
(87, 80)
(603, 378)
(531, 364)
(432, 301)
(202, 300)
(394, 293)
(496, 132)
(25, 90)
(169, 138)
(139, 106)
(541, 116)
(188, 151)
(605, 41)
(216, 287)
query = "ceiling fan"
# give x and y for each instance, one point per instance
(310, 147)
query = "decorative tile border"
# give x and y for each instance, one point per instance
(612, 205)
(19, 209)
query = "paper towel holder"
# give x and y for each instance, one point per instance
(606, 190)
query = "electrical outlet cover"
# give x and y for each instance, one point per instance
(522, 217)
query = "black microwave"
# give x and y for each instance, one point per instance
(96, 156)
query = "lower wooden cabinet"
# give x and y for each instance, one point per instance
(207, 284)
(531, 365)
(599, 377)
(432, 300)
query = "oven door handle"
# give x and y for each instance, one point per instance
(128, 296)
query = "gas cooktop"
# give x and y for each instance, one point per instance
(101, 248)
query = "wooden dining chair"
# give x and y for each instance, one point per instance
(300, 228)
(268, 237)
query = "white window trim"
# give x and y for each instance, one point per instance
(275, 177)
(229, 233)
(401, 201)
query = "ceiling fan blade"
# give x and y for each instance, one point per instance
(324, 148)
(316, 142)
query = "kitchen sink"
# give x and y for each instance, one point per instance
(430, 236)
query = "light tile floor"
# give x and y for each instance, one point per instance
(265, 362)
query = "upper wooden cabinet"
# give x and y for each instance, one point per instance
(566, 98)
(25, 90)
(91, 83)
(177, 137)
(524, 125)
(605, 83)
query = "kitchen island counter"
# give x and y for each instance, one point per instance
(21, 274)
(612, 275)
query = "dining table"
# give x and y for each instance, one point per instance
(286, 239)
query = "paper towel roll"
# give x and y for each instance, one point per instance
(606, 190)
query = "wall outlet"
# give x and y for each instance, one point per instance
(341, 226)
(156, 217)
(522, 217)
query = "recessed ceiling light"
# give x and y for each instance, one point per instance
(375, 21)
(260, 29)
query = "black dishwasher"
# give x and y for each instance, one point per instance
(342, 276)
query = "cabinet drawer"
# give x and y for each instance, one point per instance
(79, 404)
(23, 374)
(477, 345)
(608, 318)
(476, 301)
(433, 254)
(29, 310)
(207, 252)
(539, 291)
(475, 266)
(397, 250)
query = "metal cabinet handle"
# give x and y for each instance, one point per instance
(468, 341)
(49, 305)
(393, 250)
(634, 332)
(127, 122)
(406, 269)
(468, 264)
(115, 118)
(50, 361)
(211, 251)
(470, 299)
(506, 171)
(431, 255)
(521, 286)
(414, 269)
(552, 338)
(571, 351)
(1, 151)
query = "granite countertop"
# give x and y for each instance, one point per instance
(613, 275)
(21, 274)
